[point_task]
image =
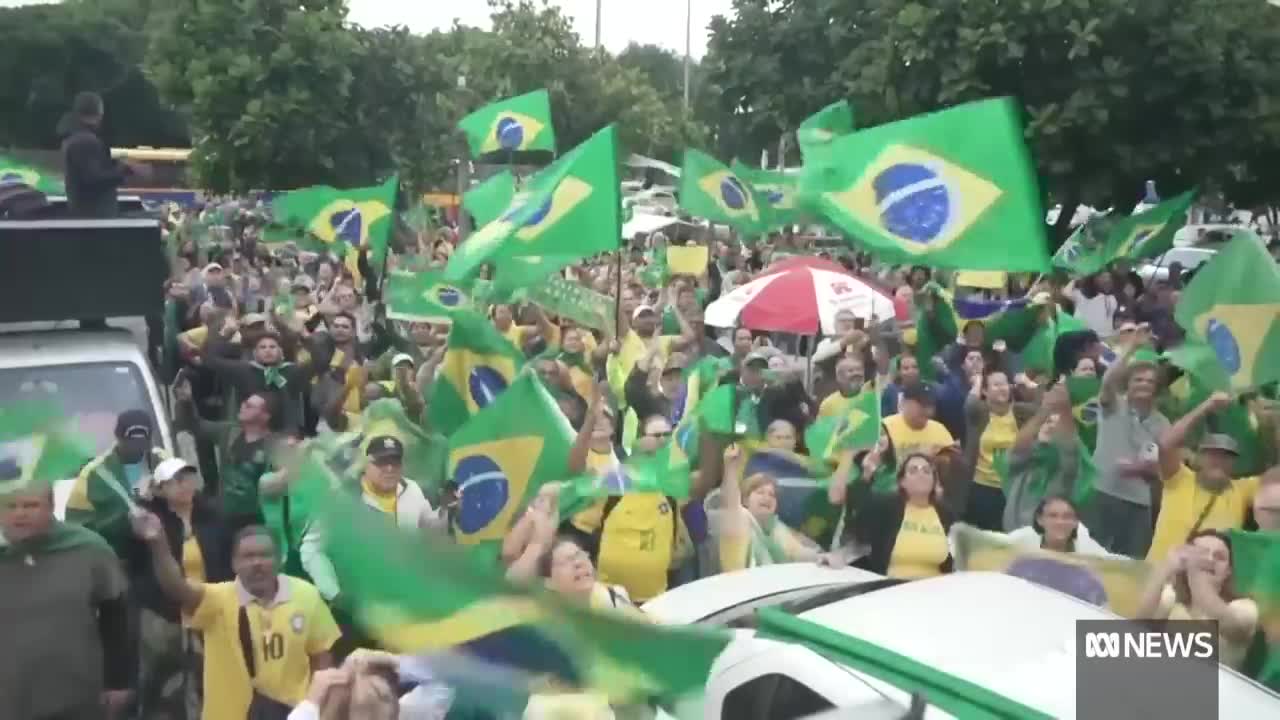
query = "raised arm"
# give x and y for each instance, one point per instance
(1173, 437)
(168, 575)
(582, 443)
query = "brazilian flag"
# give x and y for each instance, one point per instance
(802, 490)
(478, 367)
(487, 201)
(37, 448)
(710, 190)
(14, 173)
(858, 428)
(423, 297)
(824, 126)
(503, 455)
(517, 124)
(1233, 306)
(1149, 233)
(665, 472)
(571, 210)
(955, 188)
(342, 220)
(1086, 408)
(780, 192)
(1255, 570)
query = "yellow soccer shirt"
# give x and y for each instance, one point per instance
(192, 560)
(1183, 501)
(637, 545)
(907, 440)
(588, 520)
(998, 436)
(386, 502)
(921, 546)
(837, 404)
(285, 635)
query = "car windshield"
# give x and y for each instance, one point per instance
(91, 394)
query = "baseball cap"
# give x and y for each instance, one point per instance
(253, 319)
(920, 392)
(1218, 441)
(133, 424)
(170, 468)
(213, 266)
(756, 356)
(303, 282)
(641, 310)
(385, 447)
(402, 358)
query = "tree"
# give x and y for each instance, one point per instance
(1115, 92)
(268, 87)
(51, 52)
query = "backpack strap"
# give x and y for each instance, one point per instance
(246, 643)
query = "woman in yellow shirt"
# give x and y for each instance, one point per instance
(992, 420)
(746, 520)
(1194, 583)
(903, 534)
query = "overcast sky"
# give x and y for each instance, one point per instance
(657, 22)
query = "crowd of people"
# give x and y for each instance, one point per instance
(193, 587)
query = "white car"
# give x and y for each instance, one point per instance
(997, 631)
(1190, 258)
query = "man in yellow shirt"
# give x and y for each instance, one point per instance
(913, 429)
(1206, 498)
(851, 376)
(264, 633)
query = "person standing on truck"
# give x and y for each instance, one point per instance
(92, 176)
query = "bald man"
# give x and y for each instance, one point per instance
(68, 654)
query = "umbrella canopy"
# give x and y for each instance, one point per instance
(802, 296)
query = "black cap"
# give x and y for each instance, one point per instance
(385, 447)
(920, 392)
(133, 424)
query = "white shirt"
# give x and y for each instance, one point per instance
(1098, 312)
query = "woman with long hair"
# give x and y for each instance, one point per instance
(1195, 583)
(1056, 526)
(746, 520)
(901, 534)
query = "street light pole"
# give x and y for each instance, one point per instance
(688, 50)
(598, 3)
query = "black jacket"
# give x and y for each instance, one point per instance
(92, 177)
(879, 517)
(212, 535)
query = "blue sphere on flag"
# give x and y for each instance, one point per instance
(449, 296)
(484, 490)
(539, 215)
(616, 481)
(732, 193)
(510, 133)
(1224, 345)
(775, 197)
(1073, 580)
(484, 384)
(914, 201)
(346, 225)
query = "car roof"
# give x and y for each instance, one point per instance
(1025, 633)
(708, 596)
(68, 347)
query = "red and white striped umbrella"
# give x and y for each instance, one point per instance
(802, 296)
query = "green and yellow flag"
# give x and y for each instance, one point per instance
(478, 367)
(1255, 571)
(824, 126)
(13, 172)
(955, 188)
(1150, 233)
(487, 201)
(1233, 306)
(37, 448)
(857, 429)
(780, 192)
(1112, 582)
(665, 472)
(517, 124)
(710, 190)
(423, 297)
(570, 211)
(342, 220)
(503, 455)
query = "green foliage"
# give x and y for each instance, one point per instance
(1115, 92)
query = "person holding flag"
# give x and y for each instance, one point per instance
(749, 531)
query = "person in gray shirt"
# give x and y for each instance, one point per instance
(1127, 453)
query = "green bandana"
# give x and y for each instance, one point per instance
(765, 549)
(273, 375)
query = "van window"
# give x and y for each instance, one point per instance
(92, 394)
(773, 697)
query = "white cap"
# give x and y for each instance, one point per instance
(170, 468)
(642, 308)
(402, 358)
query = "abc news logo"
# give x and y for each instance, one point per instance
(1150, 645)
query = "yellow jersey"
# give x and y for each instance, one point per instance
(638, 544)
(921, 547)
(997, 437)
(1183, 501)
(286, 632)
(907, 440)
